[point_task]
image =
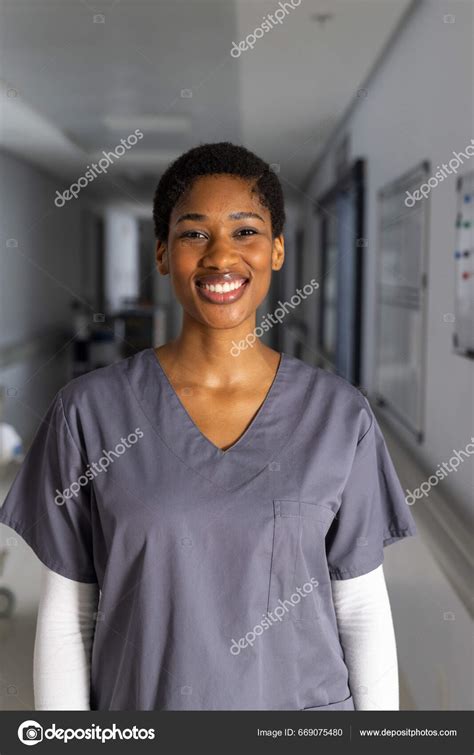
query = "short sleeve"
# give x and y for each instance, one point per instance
(49, 503)
(373, 512)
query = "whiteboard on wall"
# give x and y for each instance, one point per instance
(463, 336)
(401, 299)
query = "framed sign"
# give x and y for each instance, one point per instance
(401, 299)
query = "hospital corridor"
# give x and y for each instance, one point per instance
(364, 111)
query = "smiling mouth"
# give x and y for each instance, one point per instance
(222, 288)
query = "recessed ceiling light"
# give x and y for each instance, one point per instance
(322, 17)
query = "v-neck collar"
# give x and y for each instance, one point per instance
(258, 446)
(192, 426)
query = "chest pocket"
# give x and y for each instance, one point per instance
(298, 570)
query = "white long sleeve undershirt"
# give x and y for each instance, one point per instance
(63, 642)
(65, 632)
(367, 636)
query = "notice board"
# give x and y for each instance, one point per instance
(401, 299)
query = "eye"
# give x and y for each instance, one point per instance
(192, 235)
(247, 232)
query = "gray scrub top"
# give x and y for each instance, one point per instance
(214, 566)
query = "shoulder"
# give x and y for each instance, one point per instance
(327, 382)
(102, 385)
(331, 395)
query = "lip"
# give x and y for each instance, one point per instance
(221, 297)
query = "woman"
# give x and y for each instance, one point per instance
(228, 504)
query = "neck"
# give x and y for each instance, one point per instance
(213, 357)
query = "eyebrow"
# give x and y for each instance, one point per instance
(232, 216)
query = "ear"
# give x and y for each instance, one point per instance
(161, 254)
(278, 252)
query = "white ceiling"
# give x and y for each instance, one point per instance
(79, 75)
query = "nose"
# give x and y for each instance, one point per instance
(220, 253)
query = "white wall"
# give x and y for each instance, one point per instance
(38, 280)
(419, 105)
(41, 275)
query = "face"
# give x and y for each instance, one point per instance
(220, 252)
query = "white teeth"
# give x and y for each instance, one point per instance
(220, 288)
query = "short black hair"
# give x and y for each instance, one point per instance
(213, 159)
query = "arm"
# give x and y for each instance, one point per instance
(367, 637)
(63, 643)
